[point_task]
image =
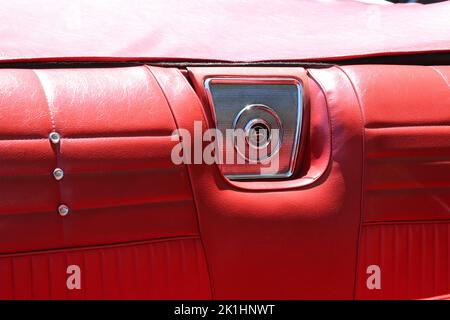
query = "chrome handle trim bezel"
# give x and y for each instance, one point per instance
(263, 80)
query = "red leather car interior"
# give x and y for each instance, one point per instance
(119, 183)
(373, 188)
(406, 179)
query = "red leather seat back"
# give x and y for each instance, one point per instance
(119, 184)
(406, 179)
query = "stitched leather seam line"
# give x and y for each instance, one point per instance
(100, 246)
(160, 201)
(362, 118)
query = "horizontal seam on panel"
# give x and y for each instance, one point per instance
(21, 139)
(81, 137)
(406, 222)
(143, 204)
(407, 189)
(99, 246)
(406, 126)
(179, 200)
(425, 159)
(172, 168)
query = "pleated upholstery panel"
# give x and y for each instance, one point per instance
(406, 180)
(117, 133)
(119, 181)
(414, 260)
(171, 269)
(407, 173)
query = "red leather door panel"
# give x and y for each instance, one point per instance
(169, 269)
(296, 243)
(373, 188)
(406, 179)
(119, 184)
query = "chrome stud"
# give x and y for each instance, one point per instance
(58, 174)
(54, 137)
(63, 210)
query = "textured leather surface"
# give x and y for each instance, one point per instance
(407, 141)
(406, 180)
(254, 30)
(374, 189)
(173, 269)
(297, 243)
(413, 258)
(120, 183)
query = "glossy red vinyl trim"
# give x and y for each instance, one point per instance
(405, 196)
(158, 269)
(272, 248)
(374, 164)
(116, 138)
(313, 155)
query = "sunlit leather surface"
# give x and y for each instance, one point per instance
(406, 179)
(119, 183)
(374, 189)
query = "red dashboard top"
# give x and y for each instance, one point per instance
(254, 30)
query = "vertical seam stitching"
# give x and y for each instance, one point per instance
(360, 227)
(150, 71)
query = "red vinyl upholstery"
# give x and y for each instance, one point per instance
(406, 179)
(170, 269)
(119, 183)
(373, 188)
(275, 244)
